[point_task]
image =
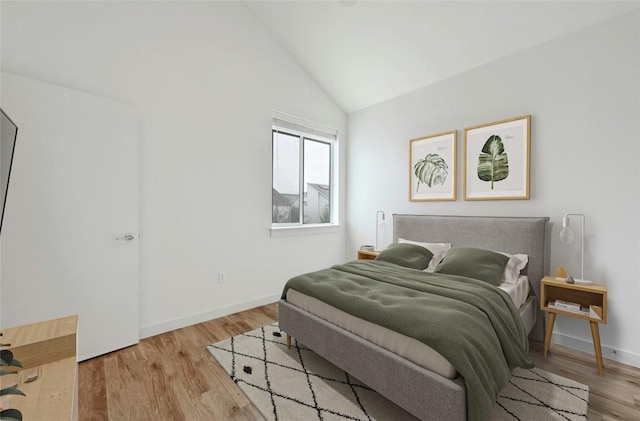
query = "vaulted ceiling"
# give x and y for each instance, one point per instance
(366, 52)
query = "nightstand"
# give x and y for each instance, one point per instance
(593, 300)
(367, 255)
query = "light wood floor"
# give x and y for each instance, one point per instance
(173, 377)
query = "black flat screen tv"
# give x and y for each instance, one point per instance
(8, 135)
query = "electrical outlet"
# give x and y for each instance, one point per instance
(221, 277)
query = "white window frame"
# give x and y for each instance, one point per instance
(305, 129)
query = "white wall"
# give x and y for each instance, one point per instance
(204, 77)
(583, 94)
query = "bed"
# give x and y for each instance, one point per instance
(427, 393)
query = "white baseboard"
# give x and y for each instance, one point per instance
(621, 356)
(170, 325)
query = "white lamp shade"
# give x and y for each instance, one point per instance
(566, 235)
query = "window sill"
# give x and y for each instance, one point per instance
(304, 230)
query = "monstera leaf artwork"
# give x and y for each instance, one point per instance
(432, 170)
(493, 163)
(432, 167)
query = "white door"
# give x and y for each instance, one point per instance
(72, 200)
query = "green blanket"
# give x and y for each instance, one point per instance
(473, 324)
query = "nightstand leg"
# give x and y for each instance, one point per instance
(595, 334)
(547, 336)
(288, 341)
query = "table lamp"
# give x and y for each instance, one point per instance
(567, 237)
(377, 224)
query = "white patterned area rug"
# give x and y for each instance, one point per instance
(296, 384)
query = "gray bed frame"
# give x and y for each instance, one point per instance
(419, 391)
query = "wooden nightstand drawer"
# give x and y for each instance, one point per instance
(367, 254)
(593, 296)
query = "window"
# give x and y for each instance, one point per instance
(303, 164)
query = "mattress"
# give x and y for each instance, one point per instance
(404, 346)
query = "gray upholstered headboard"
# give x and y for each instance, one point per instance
(526, 235)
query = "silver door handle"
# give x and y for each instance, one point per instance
(127, 237)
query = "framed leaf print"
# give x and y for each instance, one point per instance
(432, 167)
(496, 160)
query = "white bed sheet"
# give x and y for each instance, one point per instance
(404, 346)
(518, 291)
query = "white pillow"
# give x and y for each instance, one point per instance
(438, 250)
(516, 263)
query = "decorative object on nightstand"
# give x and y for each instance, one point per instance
(567, 237)
(588, 302)
(561, 272)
